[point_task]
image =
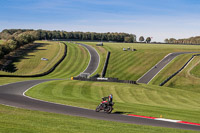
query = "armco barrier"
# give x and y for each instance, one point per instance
(45, 73)
(170, 77)
(105, 65)
(105, 80)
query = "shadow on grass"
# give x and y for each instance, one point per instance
(21, 54)
(11, 68)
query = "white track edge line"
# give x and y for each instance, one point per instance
(98, 62)
(167, 120)
(47, 101)
(90, 58)
(21, 81)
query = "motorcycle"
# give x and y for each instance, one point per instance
(105, 106)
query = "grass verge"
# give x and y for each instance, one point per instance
(102, 53)
(188, 78)
(76, 62)
(14, 120)
(171, 68)
(137, 99)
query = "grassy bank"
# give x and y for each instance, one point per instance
(188, 78)
(76, 62)
(181, 101)
(171, 68)
(14, 120)
(195, 71)
(136, 99)
(130, 65)
(31, 62)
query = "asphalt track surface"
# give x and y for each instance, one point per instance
(13, 95)
(147, 77)
(94, 59)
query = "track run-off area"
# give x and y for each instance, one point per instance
(14, 95)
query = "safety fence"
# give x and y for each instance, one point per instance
(104, 80)
(170, 77)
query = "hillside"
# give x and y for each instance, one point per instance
(149, 100)
(129, 65)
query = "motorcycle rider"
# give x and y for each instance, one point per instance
(110, 99)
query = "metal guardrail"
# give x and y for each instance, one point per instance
(104, 80)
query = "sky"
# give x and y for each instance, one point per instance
(159, 19)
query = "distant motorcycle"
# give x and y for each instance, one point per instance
(105, 106)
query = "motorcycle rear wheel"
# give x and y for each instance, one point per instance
(109, 109)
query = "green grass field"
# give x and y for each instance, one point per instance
(32, 64)
(179, 100)
(14, 120)
(188, 78)
(171, 68)
(195, 71)
(128, 65)
(76, 62)
(137, 99)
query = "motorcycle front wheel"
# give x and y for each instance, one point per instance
(98, 108)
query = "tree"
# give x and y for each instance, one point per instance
(141, 39)
(172, 40)
(166, 40)
(148, 40)
(133, 38)
(128, 39)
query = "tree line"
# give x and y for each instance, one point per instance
(14, 41)
(191, 40)
(15, 38)
(50, 35)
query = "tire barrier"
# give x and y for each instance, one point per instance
(104, 80)
(105, 65)
(170, 77)
(45, 73)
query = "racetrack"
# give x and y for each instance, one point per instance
(147, 77)
(13, 95)
(94, 59)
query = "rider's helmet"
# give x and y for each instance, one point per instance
(111, 96)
